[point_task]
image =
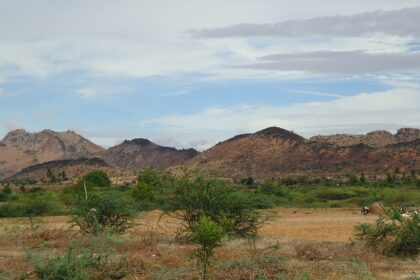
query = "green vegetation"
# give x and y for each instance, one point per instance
(93, 258)
(102, 211)
(210, 210)
(208, 235)
(392, 234)
(97, 178)
(161, 190)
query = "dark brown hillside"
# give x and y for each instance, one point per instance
(276, 152)
(141, 153)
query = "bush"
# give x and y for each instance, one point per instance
(392, 234)
(208, 235)
(154, 189)
(216, 200)
(97, 178)
(103, 212)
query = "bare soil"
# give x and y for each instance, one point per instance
(317, 241)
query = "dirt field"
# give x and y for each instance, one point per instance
(313, 240)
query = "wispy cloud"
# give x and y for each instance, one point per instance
(179, 92)
(315, 93)
(87, 92)
(402, 22)
(331, 62)
(2, 93)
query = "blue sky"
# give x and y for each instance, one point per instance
(193, 73)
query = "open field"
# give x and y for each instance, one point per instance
(295, 243)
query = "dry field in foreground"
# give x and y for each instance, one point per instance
(294, 244)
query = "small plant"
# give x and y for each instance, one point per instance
(90, 259)
(361, 269)
(208, 235)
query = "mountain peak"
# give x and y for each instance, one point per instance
(138, 141)
(277, 132)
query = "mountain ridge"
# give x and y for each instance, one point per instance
(269, 152)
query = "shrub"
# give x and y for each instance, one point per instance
(103, 212)
(154, 189)
(208, 235)
(216, 200)
(97, 178)
(392, 234)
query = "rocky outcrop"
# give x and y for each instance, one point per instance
(377, 138)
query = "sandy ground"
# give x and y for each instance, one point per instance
(330, 228)
(335, 225)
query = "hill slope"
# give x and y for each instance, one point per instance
(141, 153)
(275, 152)
(20, 149)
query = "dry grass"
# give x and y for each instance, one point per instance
(151, 252)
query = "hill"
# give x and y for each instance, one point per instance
(276, 152)
(138, 154)
(20, 149)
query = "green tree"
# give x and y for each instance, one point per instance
(217, 200)
(208, 235)
(97, 178)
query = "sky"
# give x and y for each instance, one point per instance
(191, 73)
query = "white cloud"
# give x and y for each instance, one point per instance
(401, 22)
(138, 38)
(87, 92)
(2, 93)
(351, 114)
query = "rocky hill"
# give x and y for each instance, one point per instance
(20, 149)
(377, 138)
(30, 155)
(275, 152)
(141, 153)
(272, 152)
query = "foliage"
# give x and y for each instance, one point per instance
(154, 189)
(208, 235)
(97, 178)
(32, 204)
(94, 260)
(102, 211)
(216, 200)
(392, 234)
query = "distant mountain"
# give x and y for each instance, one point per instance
(141, 153)
(271, 152)
(377, 138)
(30, 155)
(276, 152)
(20, 149)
